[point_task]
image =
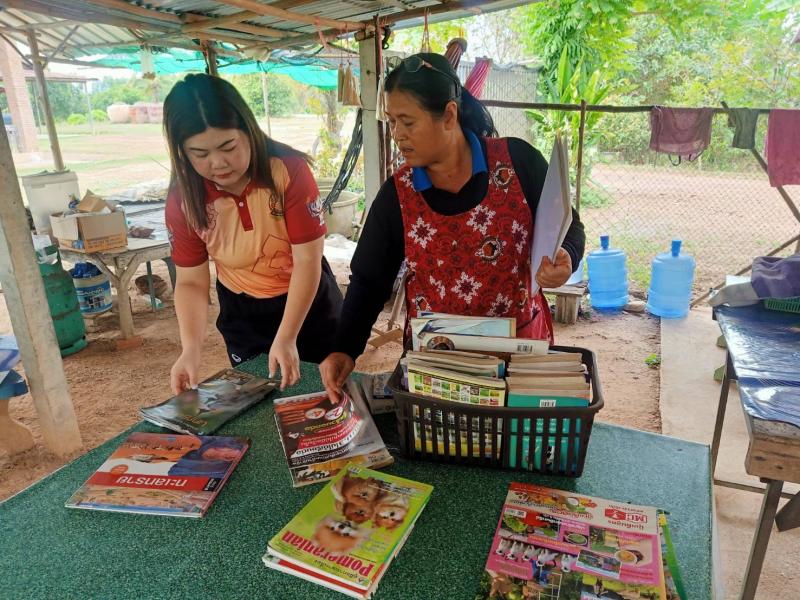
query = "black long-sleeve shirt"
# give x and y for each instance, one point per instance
(381, 248)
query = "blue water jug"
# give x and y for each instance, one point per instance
(608, 277)
(671, 283)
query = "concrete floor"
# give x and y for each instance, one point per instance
(689, 396)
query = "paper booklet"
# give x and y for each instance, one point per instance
(215, 401)
(347, 535)
(163, 474)
(319, 438)
(554, 211)
(557, 544)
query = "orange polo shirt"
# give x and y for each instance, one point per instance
(250, 236)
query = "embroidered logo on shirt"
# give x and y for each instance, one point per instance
(422, 232)
(275, 205)
(316, 209)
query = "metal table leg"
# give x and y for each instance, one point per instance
(723, 402)
(150, 286)
(789, 516)
(769, 507)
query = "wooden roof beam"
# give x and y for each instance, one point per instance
(40, 26)
(205, 24)
(444, 6)
(163, 41)
(85, 17)
(197, 23)
(267, 10)
(136, 11)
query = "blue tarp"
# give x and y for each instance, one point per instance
(309, 71)
(765, 349)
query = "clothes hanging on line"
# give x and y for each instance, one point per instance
(744, 122)
(683, 132)
(783, 147)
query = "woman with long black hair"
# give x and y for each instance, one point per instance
(459, 211)
(251, 204)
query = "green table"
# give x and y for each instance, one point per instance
(48, 551)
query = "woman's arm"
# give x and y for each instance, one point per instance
(374, 268)
(306, 272)
(191, 306)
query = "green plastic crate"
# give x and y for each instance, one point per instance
(784, 304)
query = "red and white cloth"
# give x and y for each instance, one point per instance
(475, 263)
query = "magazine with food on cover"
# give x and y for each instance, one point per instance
(319, 437)
(162, 473)
(215, 401)
(556, 544)
(347, 535)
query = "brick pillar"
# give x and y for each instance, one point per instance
(19, 103)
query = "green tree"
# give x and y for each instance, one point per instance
(281, 93)
(410, 40)
(597, 33)
(570, 87)
(65, 99)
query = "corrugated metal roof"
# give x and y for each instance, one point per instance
(108, 23)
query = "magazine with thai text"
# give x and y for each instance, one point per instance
(347, 535)
(555, 544)
(319, 437)
(162, 473)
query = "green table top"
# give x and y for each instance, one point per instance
(48, 551)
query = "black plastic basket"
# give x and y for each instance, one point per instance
(552, 441)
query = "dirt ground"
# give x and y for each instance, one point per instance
(108, 386)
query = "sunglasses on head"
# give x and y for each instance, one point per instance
(414, 63)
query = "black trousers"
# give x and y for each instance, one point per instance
(249, 325)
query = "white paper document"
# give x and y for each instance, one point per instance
(554, 212)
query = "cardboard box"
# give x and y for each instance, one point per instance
(90, 232)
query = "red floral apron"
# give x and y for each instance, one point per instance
(475, 263)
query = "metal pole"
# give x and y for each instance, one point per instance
(769, 507)
(38, 70)
(723, 403)
(579, 168)
(89, 104)
(265, 94)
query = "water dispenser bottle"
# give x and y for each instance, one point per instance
(671, 283)
(608, 276)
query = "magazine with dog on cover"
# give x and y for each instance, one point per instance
(346, 536)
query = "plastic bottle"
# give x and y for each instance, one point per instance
(671, 283)
(608, 277)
